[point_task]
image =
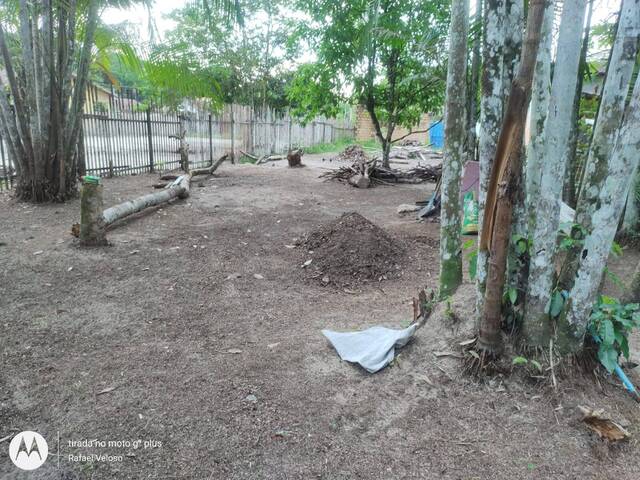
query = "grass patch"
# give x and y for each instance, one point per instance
(245, 159)
(341, 144)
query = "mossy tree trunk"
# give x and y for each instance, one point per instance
(612, 159)
(548, 199)
(597, 243)
(490, 121)
(454, 150)
(504, 182)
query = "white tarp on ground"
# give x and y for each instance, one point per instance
(373, 348)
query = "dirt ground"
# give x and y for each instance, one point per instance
(197, 334)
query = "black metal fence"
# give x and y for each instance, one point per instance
(120, 137)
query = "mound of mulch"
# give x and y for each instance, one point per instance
(352, 251)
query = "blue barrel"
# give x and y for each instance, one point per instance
(436, 134)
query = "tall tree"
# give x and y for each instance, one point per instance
(557, 129)
(490, 120)
(387, 55)
(474, 82)
(454, 150)
(46, 79)
(505, 177)
(570, 187)
(608, 171)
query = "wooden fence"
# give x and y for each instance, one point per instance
(121, 141)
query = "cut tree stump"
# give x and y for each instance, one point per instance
(294, 157)
(91, 220)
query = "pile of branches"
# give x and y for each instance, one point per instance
(353, 153)
(365, 173)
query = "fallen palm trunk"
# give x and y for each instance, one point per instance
(94, 221)
(178, 189)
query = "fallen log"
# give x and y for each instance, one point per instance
(94, 221)
(249, 155)
(178, 189)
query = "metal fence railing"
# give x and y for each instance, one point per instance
(119, 137)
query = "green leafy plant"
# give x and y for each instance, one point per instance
(609, 325)
(523, 361)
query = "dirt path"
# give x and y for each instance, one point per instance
(157, 316)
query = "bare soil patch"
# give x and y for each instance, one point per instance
(196, 326)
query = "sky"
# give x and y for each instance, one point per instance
(138, 15)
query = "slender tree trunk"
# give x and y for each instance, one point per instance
(538, 114)
(513, 30)
(455, 133)
(570, 187)
(490, 121)
(607, 178)
(536, 327)
(505, 181)
(42, 123)
(474, 81)
(597, 245)
(517, 263)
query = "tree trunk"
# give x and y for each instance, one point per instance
(536, 327)
(454, 151)
(504, 182)
(490, 120)
(538, 114)
(513, 30)
(570, 182)
(608, 173)
(472, 93)
(604, 220)
(42, 124)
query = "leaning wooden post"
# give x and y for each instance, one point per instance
(233, 136)
(92, 227)
(184, 147)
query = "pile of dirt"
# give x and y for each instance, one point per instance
(351, 251)
(352, 153)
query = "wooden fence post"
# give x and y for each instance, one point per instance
(184, 148)
(210, 141)
(233, 136)
(150, 141)
(7, 173)
(92, 231)
(290, 129)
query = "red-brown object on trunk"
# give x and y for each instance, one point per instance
(505, 177)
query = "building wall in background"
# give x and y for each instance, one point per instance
(365, 130)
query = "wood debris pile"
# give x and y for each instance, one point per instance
(419, 152)
(352, 153)
(365, 173)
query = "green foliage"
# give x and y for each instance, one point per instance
(336, 146)
(389, 56)
(610, 325)
(523, 361)
(556, 303)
